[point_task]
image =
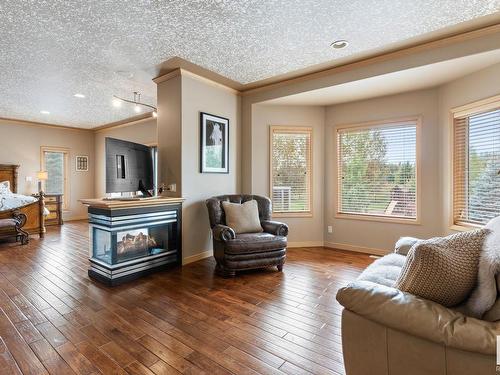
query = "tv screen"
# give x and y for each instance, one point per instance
(129, 166)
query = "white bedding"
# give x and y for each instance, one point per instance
(11, 201)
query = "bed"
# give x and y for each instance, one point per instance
(33, 208)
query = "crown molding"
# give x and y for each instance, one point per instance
(125, 122)
(188, 73)
(113, 125)
(41, 124)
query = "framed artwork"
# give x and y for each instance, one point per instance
(82, 163)
(214, 144)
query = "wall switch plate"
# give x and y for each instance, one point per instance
(330, 229)
(29, 178)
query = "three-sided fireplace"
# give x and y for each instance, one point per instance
(128, 243)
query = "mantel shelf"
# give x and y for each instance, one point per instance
(112, 204)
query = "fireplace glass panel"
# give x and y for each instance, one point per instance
(147, 241)
(102, 245)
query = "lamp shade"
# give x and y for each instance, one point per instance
(42, 175)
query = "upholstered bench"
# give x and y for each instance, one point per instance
(11, 227)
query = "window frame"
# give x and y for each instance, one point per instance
(466, 110)
(413, 120)
(66, 152)
(292, 130)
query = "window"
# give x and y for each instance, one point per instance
(291, 170)
(476, 165)
(55, 161)
(377, 170)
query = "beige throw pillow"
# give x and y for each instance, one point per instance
(443, 269)
(243, 218)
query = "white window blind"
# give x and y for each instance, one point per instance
(377, 169)
(291, 170)
(476, 167)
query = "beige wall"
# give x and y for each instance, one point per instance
(465, 90)
(21, 145)
(180, 101)
(199, 96)
(382, 235)
(169, 122)
(303, 231)
(454, 48)
(143, 132)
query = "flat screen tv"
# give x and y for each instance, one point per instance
(129, 167)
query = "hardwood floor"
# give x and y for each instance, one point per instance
(54, 319)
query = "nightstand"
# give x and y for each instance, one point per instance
(53, 202)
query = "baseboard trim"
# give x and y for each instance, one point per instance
(197, 257)
(306, 244)
(355, 248)
(76, 218)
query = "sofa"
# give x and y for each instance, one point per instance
(387, 331)
(235, 252)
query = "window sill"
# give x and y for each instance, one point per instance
(393, 220)
(464, 227)
(292, 214)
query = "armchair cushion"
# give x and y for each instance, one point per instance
(275, 227)
(255, 243)
(243, 218)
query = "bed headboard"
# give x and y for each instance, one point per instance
(8, 172)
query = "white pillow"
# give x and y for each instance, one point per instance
(5, 188)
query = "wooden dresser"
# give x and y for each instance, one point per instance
(54, 203)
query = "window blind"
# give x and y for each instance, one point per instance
(476, 167)
(291, 170)
(377, 169)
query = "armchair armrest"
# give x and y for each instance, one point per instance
(274, 227)
(419, 317)
(223, 233)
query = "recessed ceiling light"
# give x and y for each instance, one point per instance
(45, 112)
(117, 102)
(125, 74)
(79, 96)
(339, 44)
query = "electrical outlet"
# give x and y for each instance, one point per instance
(330, 229)
(172, 187)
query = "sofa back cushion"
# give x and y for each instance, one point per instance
(243, 218)
(443, 269)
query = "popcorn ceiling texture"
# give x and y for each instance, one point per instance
(52, 49)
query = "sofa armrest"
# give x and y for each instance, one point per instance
(274, 227)
(223, 233)
(404, 244)
(419, 317)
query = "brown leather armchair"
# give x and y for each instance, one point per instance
(247, 250)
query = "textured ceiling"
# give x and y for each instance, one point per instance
(52, 49)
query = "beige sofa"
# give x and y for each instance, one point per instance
(386, 331)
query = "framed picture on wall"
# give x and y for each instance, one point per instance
(214, 144)
(82, 163)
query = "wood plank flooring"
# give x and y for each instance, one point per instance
(54, 319)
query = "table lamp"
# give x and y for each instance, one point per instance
(42, 176)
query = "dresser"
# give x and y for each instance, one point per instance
(54, 203)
